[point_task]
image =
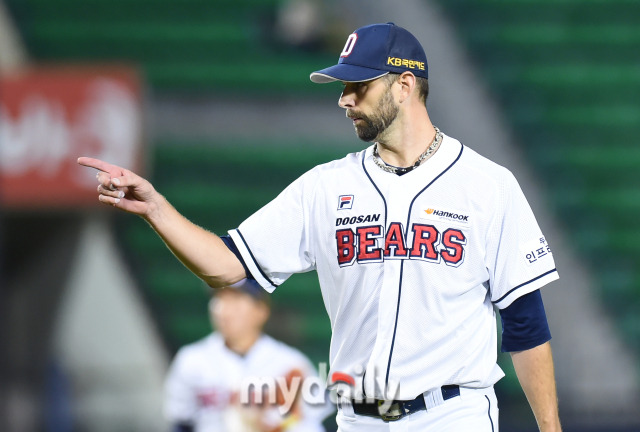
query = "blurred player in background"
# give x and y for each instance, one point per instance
(206, 381)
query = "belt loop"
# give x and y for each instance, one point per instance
(345, 405)
(433, 398)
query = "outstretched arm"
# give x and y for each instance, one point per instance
(534, 368)
(201, 251)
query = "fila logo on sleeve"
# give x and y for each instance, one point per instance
(370, 243)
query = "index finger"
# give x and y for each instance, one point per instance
(100, 165)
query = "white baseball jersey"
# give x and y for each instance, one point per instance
(206, 378)
(410, 266)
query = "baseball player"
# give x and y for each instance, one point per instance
(212, 383)
(417, 240)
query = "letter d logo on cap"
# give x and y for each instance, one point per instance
(348, 47)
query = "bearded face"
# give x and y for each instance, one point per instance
(368, 127)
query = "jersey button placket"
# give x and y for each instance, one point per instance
(391, 280)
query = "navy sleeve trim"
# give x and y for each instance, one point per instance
(524, 323)
(254, 260)
(523, 284)
(228, 241)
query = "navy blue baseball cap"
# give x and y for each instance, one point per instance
(251, 287)
(374, 51)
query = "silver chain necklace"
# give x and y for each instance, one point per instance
(398, 170)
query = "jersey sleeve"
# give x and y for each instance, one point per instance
(276, 241)
(180, 402)
(519, 258)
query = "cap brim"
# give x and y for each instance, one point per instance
(345, 72)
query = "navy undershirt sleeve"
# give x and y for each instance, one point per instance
(524, 323)
(228, 241)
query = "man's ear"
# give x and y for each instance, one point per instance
(407, 82)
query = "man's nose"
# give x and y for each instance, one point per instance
(347, 98)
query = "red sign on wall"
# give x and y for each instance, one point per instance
(51, 116)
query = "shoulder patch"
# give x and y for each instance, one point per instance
(535, 250)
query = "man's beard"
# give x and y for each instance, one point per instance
(372, 126)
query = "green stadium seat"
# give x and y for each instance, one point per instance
(191, 45)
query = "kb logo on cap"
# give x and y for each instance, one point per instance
(348, 47)
(381, 49)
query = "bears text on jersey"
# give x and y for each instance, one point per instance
(363, 244)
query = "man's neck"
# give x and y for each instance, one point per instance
(241, 346)
(402, 145)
